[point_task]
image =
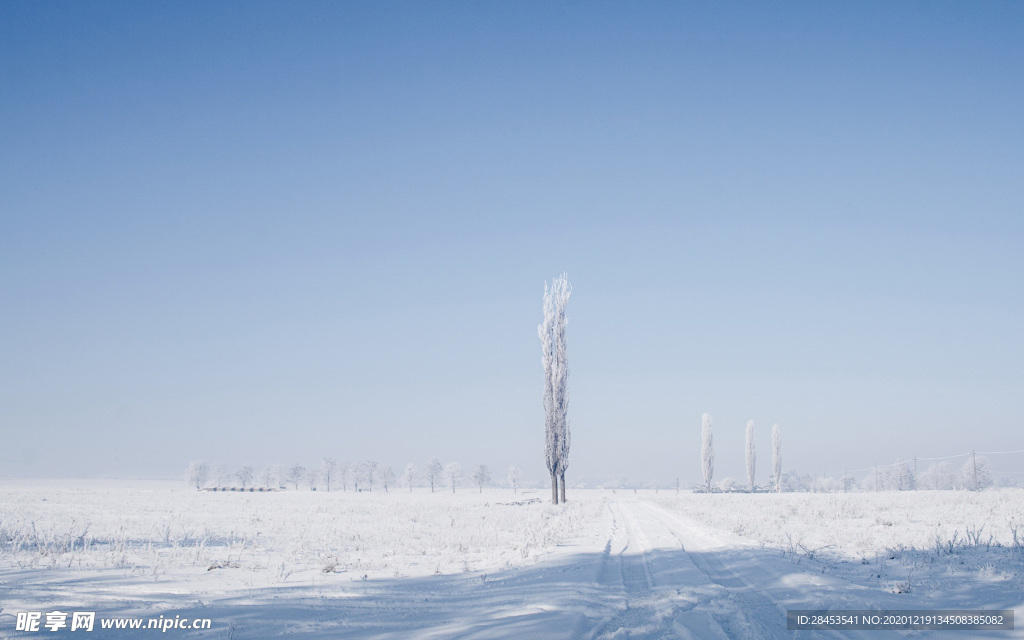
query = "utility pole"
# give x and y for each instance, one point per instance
(974, 465)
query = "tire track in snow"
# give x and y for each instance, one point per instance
(585, 627)
(639, 616)
(755, 614)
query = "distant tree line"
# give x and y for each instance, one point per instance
(332, 475)
(903, 475)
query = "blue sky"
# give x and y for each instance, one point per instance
(268, 232)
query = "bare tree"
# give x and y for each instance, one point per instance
(267, 477)
(221, 475)
(707, 451)
(433, 472)
(387, 477)
(848, 482)
(409, 477)
(245, 475)
(343, 468)
(939, 476)
(295, 475)
(280, 473)
(313, 478)
(371, 473)
(903, 475)
(515, 476)
(777, 457)
(481, 476)
(453, 471)
(555, 362)
(197, 474)
(358, 471)
(975, 473)
(327, 468)
(751, 455)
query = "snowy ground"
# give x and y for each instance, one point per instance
(498, 564)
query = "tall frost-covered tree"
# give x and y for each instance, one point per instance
(777, 457)
(554, 359)
(751, 455)
(707, 451)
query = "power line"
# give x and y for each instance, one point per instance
(894, 464)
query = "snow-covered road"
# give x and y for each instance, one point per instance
(640, 568)
(657, 576)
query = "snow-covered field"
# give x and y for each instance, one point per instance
(498, 564)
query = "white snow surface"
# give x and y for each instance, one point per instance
(500, 565)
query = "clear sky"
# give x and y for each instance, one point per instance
(268, 232)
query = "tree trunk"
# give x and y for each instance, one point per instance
(563, 486)
(554, 489)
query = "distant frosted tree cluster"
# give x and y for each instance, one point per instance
(364, 476)
(325, 476)
(940, 475)
(973, 475)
